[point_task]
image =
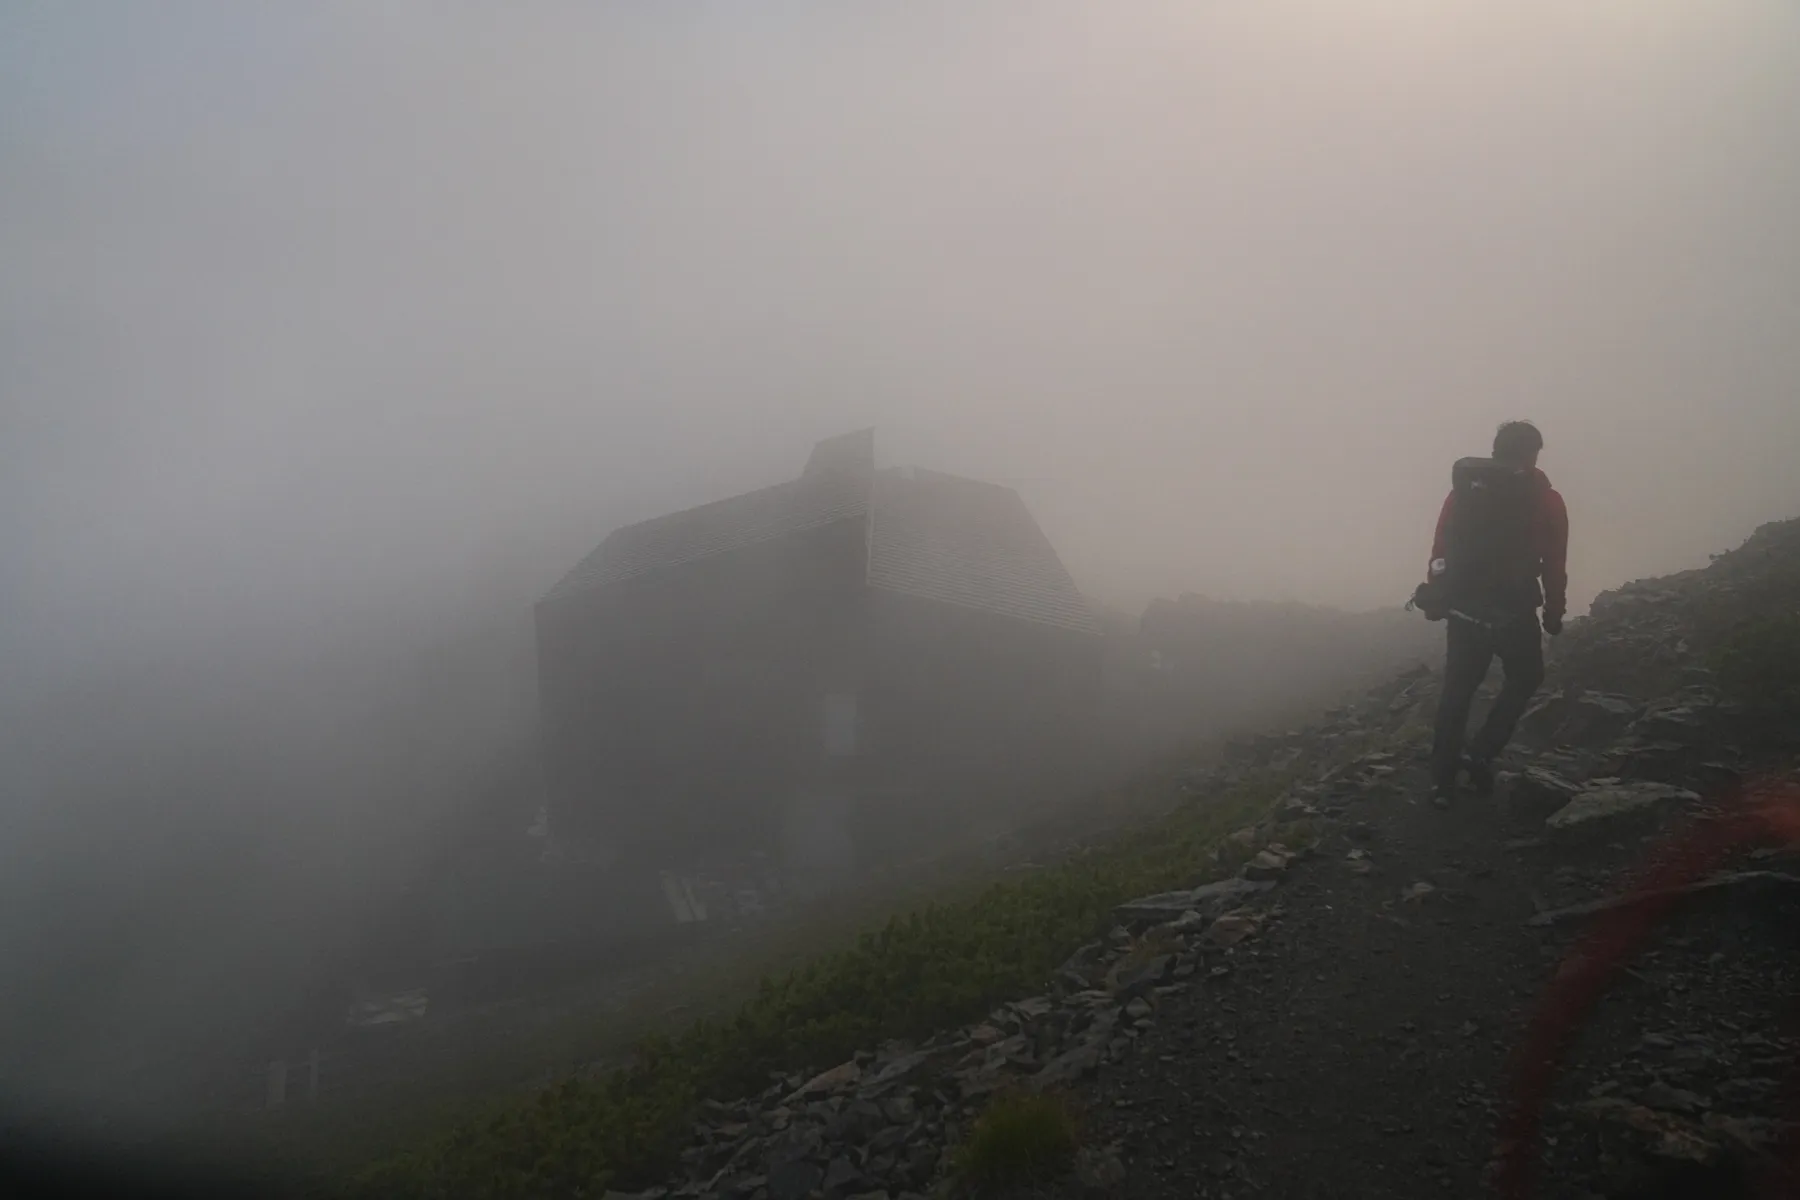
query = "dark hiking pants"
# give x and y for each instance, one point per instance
(1470, 649)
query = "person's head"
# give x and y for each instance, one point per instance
(1517, 443)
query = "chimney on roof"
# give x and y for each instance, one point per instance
(846, 452)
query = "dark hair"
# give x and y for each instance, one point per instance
(1517, 441)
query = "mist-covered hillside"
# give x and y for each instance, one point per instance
(1193, 668)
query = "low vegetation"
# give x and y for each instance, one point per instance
(1019, 1137)
(938, 965)
(1759, 665)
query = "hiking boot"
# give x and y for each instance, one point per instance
(1481, 775)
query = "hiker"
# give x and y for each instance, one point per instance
(1497, 558)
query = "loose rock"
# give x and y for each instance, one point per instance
(1605, 805)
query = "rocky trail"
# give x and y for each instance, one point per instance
(1362, 1044)
(1344, 1016)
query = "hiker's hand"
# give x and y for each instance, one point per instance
(1552, 625)
(1425, 599)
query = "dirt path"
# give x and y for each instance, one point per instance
(1352, 1049)
(1361, 1045)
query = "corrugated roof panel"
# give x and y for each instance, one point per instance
(940, 537)
(973, 544)
(717, 528)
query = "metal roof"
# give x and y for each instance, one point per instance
(716, 528)
(968, 543)
(936, 536)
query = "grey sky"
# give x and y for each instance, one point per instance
(310, 313)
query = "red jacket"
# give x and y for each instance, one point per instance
(1550, 538)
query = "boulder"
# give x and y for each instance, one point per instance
(1660, 762)
(1171, 906)
(1685, 724)
(1267, 866)
(1536, 792)
(1136, 979)
(838, 1079)
(1068, 1068)
(892, 1072)
(1231, 929)
(1595, 718)
(1190, 922)
(1606, 806)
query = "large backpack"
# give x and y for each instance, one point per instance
(1490, 559)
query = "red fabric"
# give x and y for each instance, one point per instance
(1549, 536)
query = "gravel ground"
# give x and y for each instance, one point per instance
(1363, 1044)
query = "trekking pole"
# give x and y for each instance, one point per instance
(1476, 621)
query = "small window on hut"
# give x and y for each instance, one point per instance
(840, 724)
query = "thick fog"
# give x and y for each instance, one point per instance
(331, 335)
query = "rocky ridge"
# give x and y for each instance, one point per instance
(1354, 903)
